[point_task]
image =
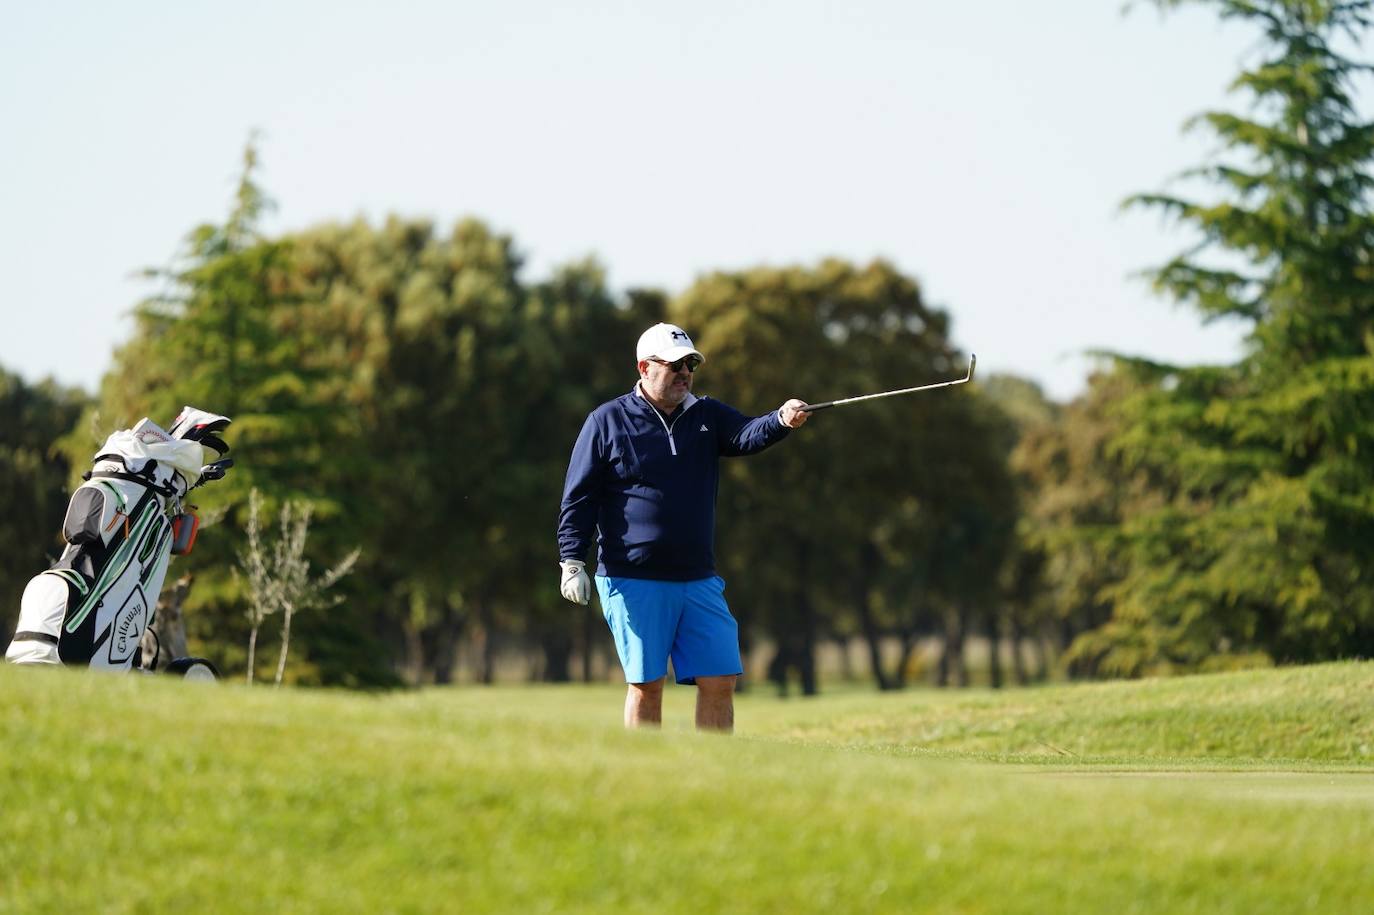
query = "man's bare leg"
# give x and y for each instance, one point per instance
(716, 704)
(644, 704)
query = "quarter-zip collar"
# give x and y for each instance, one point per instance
(677, 414)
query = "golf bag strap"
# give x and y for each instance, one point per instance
(167, 490)
(26, 636)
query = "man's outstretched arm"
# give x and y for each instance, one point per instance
(743, 435)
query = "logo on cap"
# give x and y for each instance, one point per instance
(667, 341)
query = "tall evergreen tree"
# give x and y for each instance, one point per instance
(228, 333)
(1262, 544)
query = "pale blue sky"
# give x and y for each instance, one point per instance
(982, 147)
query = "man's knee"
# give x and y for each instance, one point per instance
(644, 704)
(648, 690)
(717, 686)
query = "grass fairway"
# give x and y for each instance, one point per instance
(1247, 792)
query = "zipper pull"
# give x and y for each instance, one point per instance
(115, 520)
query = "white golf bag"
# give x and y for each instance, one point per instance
(123, 524)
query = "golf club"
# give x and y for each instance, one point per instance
(812, 408)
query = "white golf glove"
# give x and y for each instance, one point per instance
(575, 586)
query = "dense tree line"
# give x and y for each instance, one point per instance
(422, 394)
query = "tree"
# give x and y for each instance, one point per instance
(406, 383)
(586, 357)
(1028, 604)
(229, 332)
(278, 575)
(34, 477)
(1258, 546)
(1077, 494)
(452, 367)
(841, 531)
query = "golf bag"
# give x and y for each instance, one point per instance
(122, 526)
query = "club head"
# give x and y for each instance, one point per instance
(972, 363)
(215, 471)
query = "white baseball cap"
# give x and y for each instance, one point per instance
(666, 342)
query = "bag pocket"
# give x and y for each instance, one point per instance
(184, 528)
(85, 514)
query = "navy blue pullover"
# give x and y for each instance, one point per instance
(647, 483)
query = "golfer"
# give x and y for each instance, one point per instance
(643, 477)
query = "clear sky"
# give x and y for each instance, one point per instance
(982, 147)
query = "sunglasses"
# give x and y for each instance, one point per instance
(691, 362)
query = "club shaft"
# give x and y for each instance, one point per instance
(812, 408)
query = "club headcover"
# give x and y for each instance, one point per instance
(196, 425)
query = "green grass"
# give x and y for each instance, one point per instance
(1249, 792)
(1309, 716)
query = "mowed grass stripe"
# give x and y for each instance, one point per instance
(1321, 715)
(134, 794)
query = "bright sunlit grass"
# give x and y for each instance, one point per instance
(142, 794)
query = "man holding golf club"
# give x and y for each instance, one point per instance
(643, 479)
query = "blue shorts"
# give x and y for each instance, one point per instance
(687, 620)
